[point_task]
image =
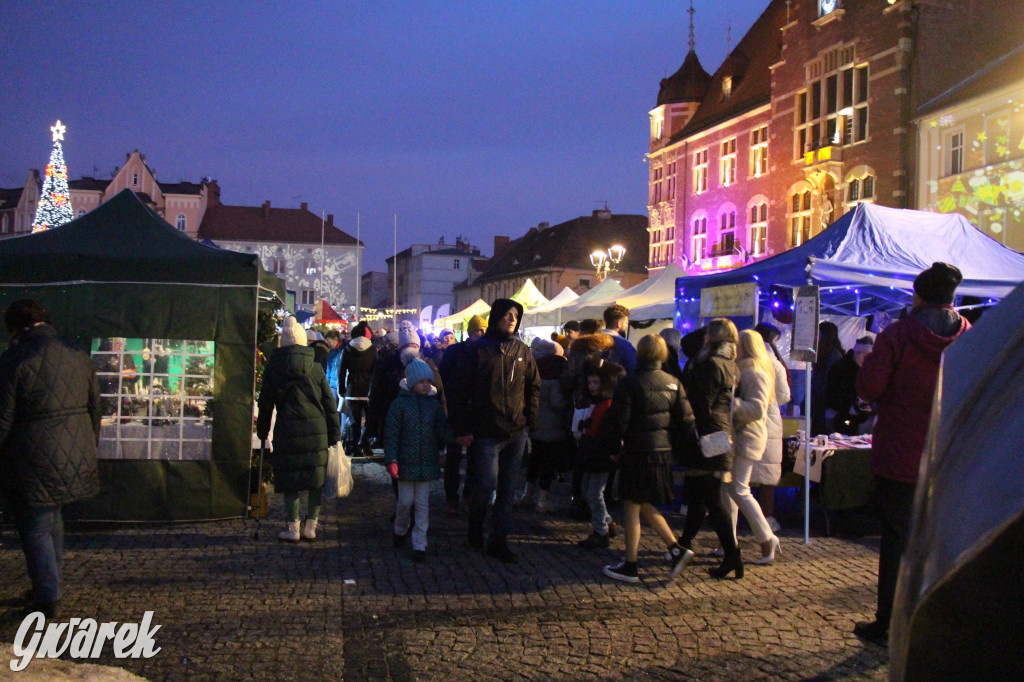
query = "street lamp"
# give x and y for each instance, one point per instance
(607, 262)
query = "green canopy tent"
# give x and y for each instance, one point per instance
(171, 327)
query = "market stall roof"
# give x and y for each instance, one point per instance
(593, 302)
(550, 314)
(954, 577)
(325, 314)
(478, 307)
(122, 240)
(655, 298)
(529, 295)
(867, 261)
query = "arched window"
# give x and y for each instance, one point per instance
(699, 238)
(180, 223)
(860, 186)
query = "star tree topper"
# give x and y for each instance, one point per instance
(58, 131)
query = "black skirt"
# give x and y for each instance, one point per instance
(646, 477)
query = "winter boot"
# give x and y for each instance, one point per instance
(309, 530)
(528, 499)
(290, 533)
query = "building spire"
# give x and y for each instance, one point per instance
(692, 41)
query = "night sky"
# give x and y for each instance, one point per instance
(465, 118)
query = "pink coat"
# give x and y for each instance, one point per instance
(900, 375)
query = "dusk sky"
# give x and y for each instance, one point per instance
(465, 118)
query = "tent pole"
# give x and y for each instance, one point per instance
(359, 273)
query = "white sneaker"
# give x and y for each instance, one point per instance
(309, 530)
(773, 524)
(290, 533)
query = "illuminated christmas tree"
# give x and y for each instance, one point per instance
(55, 199)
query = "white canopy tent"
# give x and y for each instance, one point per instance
(550, 314)
(478, 307)
(654, 299)
(593, 302)
(529, 295)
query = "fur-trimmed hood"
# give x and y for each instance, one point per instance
(591, 344)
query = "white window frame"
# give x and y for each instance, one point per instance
(757, 228)
(700, 171)
(759, 151)
(180, 223)
(727, 162)
(953, 152)
(838, 120)
(308, 297)
(699, 239)
(800, 221)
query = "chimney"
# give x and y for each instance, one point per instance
(330, 219)
(266, 209)
(500, 244)
(603, 214)
(543, 226)
(303, 206)
(212, 193)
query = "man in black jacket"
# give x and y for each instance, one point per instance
(49, 430)
(495, 400)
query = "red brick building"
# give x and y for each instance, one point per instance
(811, 113)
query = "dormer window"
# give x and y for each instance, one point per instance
(726, 87)
(135, 179)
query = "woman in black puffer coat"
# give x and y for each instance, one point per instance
(649, 414)
(307, 423)
(710, 381)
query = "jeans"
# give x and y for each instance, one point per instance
(593, 485)
(410, 493)
(497, 467)
(455, 453)
(42, 539)
(293, 505)
(896, 508)
(736, 497)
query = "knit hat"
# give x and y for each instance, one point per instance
(542, 348)
(313, 335)
(445, 332)
(937, 285)
(391, 338)
(362, 329)
(476, 323)
(416, 371)
(407, 335)
(292, 333)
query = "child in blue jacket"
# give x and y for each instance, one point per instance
(414, 432)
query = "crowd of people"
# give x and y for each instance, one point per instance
(585, 404)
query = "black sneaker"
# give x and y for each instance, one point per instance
(399, 540)
(594, 541)
(622, 571)
(679, 558)
(874, 632)
(502, 553)
(419, 555)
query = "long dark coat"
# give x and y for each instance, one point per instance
(307, 418)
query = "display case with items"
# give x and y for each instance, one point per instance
(157, 397)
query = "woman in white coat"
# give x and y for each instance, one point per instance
(750, 429)
(768, 470)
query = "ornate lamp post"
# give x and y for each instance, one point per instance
(607, 262)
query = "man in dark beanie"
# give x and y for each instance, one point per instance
(495, 401)
(49, 430)
(899, 375)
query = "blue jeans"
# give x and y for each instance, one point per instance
(42, 539)
(496, 464)
(593, 488)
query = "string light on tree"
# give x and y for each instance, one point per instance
(55, 198)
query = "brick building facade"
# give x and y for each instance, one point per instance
(811, 113)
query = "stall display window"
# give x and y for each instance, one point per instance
(156, 397)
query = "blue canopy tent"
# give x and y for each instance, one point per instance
(866, 262)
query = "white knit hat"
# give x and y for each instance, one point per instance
(292, 333)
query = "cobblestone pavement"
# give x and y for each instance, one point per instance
(352, 607)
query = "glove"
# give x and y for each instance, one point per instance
(393, 469)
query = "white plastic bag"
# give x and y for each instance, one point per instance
(339, 473)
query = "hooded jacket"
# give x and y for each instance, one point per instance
(307, 418)
(899, 375)
(49, 421)
(414, 433)
(551, 421)
(356, 367)
(497, 388)
(583, 351)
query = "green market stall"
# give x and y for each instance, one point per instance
(170, 325)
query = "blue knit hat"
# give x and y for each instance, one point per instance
(416, 371)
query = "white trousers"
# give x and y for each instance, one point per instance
(736, 497)
(410, 493)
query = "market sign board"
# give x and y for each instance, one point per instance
(805, 324)
(734, 300)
